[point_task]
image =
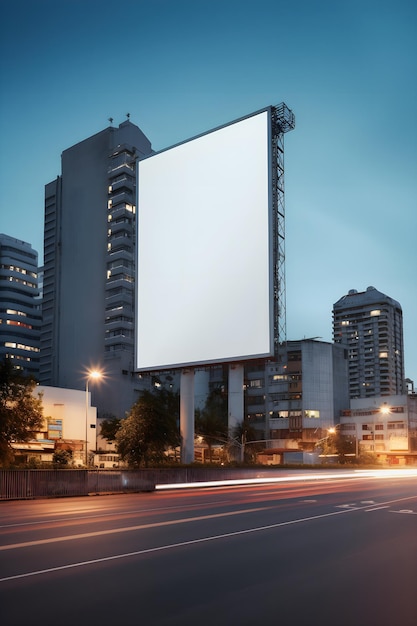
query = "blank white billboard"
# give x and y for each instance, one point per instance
(204, 264)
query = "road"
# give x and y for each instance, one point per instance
(311, 549)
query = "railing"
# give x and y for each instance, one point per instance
(26, 484)
(44, 483)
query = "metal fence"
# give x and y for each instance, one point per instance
(44, 483)
(18, 484)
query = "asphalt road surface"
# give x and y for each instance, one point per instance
(309, 550)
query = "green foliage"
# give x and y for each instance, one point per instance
(338, 444)
(150, 428)
(62, 458)
(21, 413)
(109, 428)
(368, 458)
(244, 433)
(211, 422)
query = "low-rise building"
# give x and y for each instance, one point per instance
(384, 426)
(69, 424)
(298, 397)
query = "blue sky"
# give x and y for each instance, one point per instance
(347, 69)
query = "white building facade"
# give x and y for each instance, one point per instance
(385, 426)
(70, 423)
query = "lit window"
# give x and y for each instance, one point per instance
(383, 355)
(375, 312)
(14, 323)
(345, 322)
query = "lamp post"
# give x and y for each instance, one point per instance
(94, 375)
(384, 410)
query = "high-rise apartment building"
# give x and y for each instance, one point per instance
(370, 325)
(89, 267)
(20, 314)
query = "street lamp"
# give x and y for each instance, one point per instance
(94, 375)
(385, 409)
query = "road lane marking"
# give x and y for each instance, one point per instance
(99, 533)
(172, 545)
(408, 511)
(376, 509)
(187, 543)
(92, 516)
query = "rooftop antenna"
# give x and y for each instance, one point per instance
(128, 115)
(110, 120)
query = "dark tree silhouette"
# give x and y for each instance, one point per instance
(211, 422)
(21, 412)
(150, 428)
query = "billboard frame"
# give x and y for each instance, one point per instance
(275, 236)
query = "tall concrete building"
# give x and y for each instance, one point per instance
(370, 325)
(302, 394)
(20, 312)
(89, 273)
(296, 397)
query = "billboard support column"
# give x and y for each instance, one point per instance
(187, 415)
(235, 399)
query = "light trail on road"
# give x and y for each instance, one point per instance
(185, 556)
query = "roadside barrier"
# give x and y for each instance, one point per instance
(44, 483)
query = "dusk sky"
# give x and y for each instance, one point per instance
(347, 69)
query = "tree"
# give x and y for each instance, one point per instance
(243, 433)
(338, 444)
(150, 428)
(109, 428)
(21, 413)
(62, 458)
(211, 422)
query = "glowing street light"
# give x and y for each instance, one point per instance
(93, 375)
